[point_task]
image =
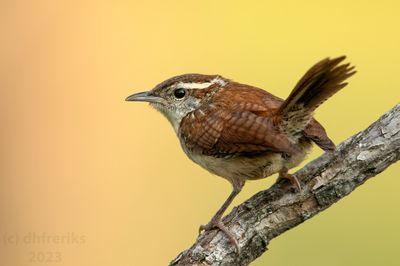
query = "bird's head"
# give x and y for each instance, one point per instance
(180, 95)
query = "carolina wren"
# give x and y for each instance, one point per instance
(241, 132)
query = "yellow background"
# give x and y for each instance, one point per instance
(77, 158)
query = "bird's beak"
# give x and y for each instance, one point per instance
(144, 97)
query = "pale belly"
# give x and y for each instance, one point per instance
(249, 168)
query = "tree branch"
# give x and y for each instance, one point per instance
(325, 180)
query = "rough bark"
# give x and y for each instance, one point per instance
(325, 180)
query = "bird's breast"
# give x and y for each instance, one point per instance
(245, 167)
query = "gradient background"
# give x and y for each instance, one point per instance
(76, 158)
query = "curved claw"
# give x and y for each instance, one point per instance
(218, 224)
(283, 174)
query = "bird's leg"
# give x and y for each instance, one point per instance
(283, 174)
(216, 220)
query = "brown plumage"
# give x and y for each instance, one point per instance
(243, 120)
(241, 132)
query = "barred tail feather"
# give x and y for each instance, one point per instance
(318, 84)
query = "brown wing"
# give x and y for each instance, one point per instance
(239, 127)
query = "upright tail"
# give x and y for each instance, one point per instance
(318, 84)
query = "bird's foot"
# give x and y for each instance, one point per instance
(292, 178)
(218, 224)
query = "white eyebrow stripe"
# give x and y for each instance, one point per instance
(204, 85)
(193, 85)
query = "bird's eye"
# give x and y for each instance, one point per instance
(179, 93)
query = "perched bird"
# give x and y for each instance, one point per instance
(241, 132)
